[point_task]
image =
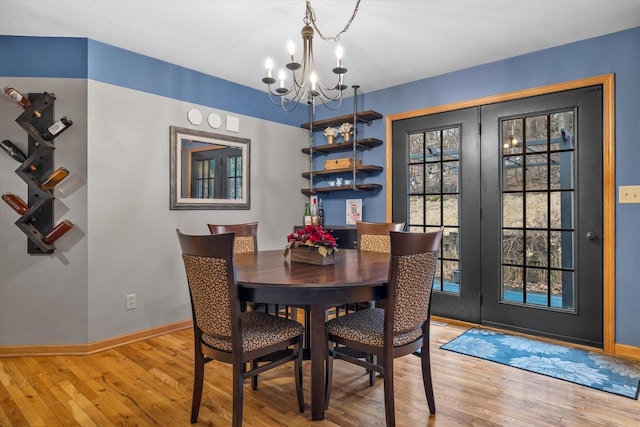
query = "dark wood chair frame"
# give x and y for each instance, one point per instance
(376, 228)
(402, 244)
(221, 246)
(249, 229)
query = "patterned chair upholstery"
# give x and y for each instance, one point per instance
(246, 235)
(402, 327)
(374, 236)
(222, 331)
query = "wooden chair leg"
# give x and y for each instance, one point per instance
(328, 379)
(389, 409)
(371, 372)
(238, 383)
(254, 379)
(198, 381)
(426, 377)
(297, 366)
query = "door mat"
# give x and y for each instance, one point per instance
(591, 369)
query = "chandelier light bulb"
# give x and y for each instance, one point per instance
(269, 65)
(292, 51)
(281, 76)
(339, 56)
(313, 79)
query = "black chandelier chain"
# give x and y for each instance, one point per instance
(310, 18)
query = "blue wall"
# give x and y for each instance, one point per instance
(617, 53)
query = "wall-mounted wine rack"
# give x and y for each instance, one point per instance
(37, 222)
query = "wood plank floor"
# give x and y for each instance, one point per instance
(149, 383)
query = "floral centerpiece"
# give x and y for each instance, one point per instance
(311, 244)
(345, 131)
(330, 133)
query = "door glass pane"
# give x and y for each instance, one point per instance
(562, 130)
(512, 210)
(434, 200)
(416, 209)
(416, 178)
(538, 236)
(433, 210)
(537, 210)
(561, 167)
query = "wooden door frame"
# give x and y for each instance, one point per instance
(608, 173)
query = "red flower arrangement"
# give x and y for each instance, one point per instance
(314, 236)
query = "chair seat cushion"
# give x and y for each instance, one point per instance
(367, 327)
(259, 330)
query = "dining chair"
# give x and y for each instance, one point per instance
(225, 333)
(399, 329)
(374, 236)
(246, 241)
(246, 235)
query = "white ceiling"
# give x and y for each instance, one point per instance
(390, 42)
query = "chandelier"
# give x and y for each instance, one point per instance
(305, 83)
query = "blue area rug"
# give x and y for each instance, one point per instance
(595, 370)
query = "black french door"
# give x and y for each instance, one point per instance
(518, 187)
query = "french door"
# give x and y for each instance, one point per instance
(518, 187)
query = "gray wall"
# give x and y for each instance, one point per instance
(124, 236)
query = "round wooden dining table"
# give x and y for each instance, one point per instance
(269, 277)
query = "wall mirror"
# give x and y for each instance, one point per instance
(208, 170)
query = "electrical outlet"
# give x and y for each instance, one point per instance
(131, 301)
(629, 194)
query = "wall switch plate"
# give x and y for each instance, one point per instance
(629, 194)
(131, 301)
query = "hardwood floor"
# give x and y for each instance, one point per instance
(149, 383)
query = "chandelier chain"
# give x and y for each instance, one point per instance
(310, 18)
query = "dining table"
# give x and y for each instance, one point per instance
(355, 276)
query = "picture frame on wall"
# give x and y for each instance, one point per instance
(354, 211)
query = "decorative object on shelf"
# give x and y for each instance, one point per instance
(54, 178)
(307, 214)
(16, 203)
(345, 131)
(57, 128)
(341, 163)
(354, 211)
(306, 84)
(20, 99)
(330, 133)
(58, 231)
(312, 245)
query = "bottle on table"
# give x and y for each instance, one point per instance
(320, 213)
(314, 213)
(307, 214)
(16, 203)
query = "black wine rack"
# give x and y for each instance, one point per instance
(38, 220)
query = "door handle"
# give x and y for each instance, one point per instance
(592, 235)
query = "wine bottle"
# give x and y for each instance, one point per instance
(15, 152)
(16, 203)
(314, 213)
(57, 128)
(20, 99)
(307, 214)
(320, 213)
(57, 231)
(54, 178)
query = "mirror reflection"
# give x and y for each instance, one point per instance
(209, 171)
